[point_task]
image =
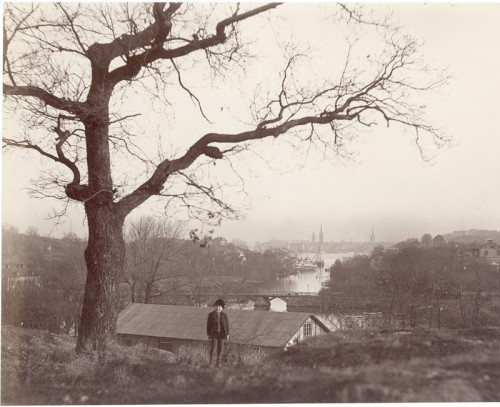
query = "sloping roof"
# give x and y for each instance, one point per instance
(491, 244)
(263, 328)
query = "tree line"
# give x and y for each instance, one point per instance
(43, 278)
(417, 275)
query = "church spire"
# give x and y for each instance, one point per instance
(372, 238)
(321, 234)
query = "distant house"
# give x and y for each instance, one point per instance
(17, 272)
(491, 253)
(168, 326)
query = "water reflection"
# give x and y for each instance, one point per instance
(309, 281)
(312, 281)
(304, 281)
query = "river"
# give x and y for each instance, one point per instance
(311, 281)
(306, 281)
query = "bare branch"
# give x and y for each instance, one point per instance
(28, 145)
(193, 96)
(357, 14)
(73, 29)
(106, 52)
(48, 98)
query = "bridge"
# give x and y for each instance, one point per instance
(271, 294)
(294, 299)
(264, 297)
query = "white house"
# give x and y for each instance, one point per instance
(491, 253)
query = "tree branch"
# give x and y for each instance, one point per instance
(75, 108)
(202, 147)
(136, 62)
(73, 29)
(63, 136)
(193, 96)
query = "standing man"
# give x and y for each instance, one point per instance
(217, 330)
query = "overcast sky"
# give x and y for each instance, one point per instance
(387, 186)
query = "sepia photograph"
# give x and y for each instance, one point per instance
(250, 203)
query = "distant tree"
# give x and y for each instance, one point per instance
(438, 240)
(198, 267)
(239, 243)
(427, 239)
(32, 231)
(278, 259)
(49, 293)
(9, 229)
(379, 249)
(412, 241)
(151, 251)
(261, 266)
(69, 69)
(416, 279)
(353, 276)
(380, 266)
(64, 284)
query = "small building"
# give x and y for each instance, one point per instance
(491, 253)
(169, 326)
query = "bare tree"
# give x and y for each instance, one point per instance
(151, 252)
(426, 239)
(69, 68)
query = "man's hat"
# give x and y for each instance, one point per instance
(219, 302)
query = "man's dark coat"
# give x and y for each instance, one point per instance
(212, 324)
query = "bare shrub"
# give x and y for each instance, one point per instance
(194, 355)
(241, 355)
(80, 369)
(235, 355)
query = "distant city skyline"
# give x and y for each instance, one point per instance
(359, 236)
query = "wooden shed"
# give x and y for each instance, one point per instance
(168, 326)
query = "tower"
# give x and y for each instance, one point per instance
(372, 237)
(321, 235)
(314, 238)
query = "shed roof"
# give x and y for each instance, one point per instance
(263, 328)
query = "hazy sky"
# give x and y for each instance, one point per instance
(387, 185)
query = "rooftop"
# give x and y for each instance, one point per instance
(262, 328)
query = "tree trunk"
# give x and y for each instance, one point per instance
(132, 291)
(105, 259)
(147, 294)
(392, 304)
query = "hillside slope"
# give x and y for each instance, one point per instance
(347, 366)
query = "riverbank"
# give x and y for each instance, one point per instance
(460, 365)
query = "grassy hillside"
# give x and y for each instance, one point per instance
(346, 366)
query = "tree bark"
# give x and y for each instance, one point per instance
(104, 256)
